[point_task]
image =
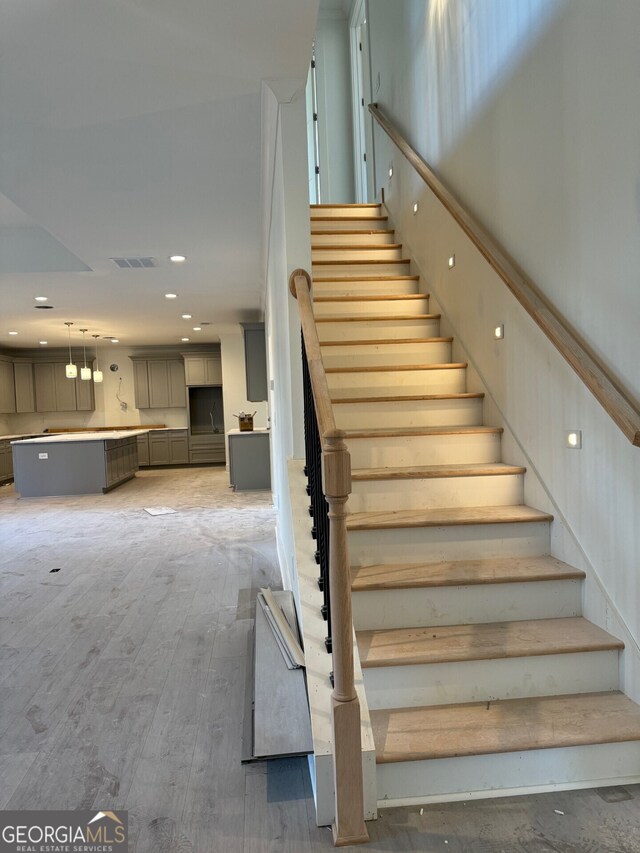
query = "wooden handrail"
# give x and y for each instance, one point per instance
(616, 401)
(349, 826)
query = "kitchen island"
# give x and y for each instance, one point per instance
(83, 463)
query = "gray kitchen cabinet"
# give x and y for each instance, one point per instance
(7, 388)
(159, 383)
(207, 449)
(55, 393)
(6, 461)
(159, 449)
(249, 460)
(45, 388)
(85, 395)
(143, 450)
(203, 369)
(255, 361)
(168, 447)
(140, 383)
(177, 385)
(25, 388)
(65, 389)
(179, 448)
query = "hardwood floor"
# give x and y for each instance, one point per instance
(122, 685)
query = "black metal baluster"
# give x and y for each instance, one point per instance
(319, 507)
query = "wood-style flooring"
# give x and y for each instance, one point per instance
(122, 685)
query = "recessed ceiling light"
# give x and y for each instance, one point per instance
(115, 340)
(186, 316)
(178, 259)
(171, 296)
(184, 339)
(197, 328)
(43, 343)
(13, 333)
(41, 298)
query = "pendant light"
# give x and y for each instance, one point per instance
(97, 373)
(71, 369)
(85, 372)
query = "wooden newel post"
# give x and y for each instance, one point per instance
(349, 826)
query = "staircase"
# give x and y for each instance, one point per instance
(481, 676)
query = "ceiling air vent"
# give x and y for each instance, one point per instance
(135, 263)
(43, 307)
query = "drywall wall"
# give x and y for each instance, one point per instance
(286, 247)
(335, 126)
(525, 110)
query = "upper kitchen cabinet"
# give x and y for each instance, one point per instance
(255, 360)
(203, 369)
(7, 387)
(25, 388)
(159, 383)
(55, 393)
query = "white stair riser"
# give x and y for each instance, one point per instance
(407, 413)
(447, 381)
(342, 287)
(431, 544)
(377, 330)
(465, 605)
(427, 493)
(353, 212)
(346, 270)
(487, 681)
(348, 254)
(399, 451)
(375, 307)
(352, 224)
(509, 773)
(376, 237)
(365, 355)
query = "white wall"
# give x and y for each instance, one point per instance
(526, 109)
(335, 126)
(286, 247)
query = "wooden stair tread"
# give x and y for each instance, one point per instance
(461, 573)
(445, 516)
(359, 262)
(387, 341)
(484, 641)
(398, 398)
(392, 368)
(346, 204)
(511, 725)
(380, 297)
(317, 232)
(354, 247)
(387, 318)
(407, 432)
(427, 472)
(349, 218)
(356, 278)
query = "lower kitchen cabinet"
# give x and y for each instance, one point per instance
(249, 459)
(169, 447)
(207, 449)
(143, 450)
(6, 461)
(121, 461)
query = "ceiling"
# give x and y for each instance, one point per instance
(131, 128)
